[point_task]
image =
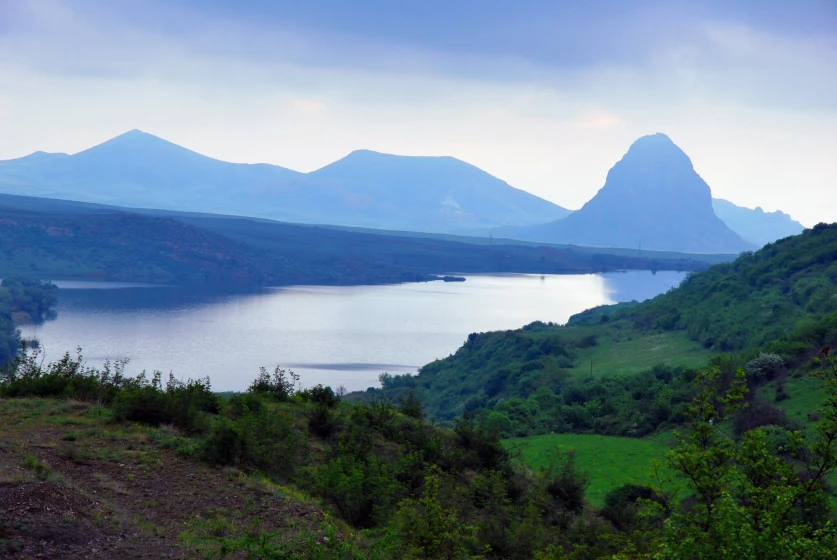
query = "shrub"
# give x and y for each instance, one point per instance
(281, 384)
(411, 405)
(239, 405)
(622, 505)
(321, 421)
(764, 367)
(183, 404)
(757, 414)
(41, 469)
(427, 530)
(361, 491)
(564, 482)
(223, 445)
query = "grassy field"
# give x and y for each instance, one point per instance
(620, 353)
(805, 396)
(609, 461)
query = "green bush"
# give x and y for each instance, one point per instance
(281, 385)
(363, 492)
(183, 404)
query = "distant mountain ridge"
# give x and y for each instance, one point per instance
(364, 189)
(653, 199)
(756, 225)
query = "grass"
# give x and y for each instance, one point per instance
(609, 461)
(70, 466)
(805, 396)
(621, 352)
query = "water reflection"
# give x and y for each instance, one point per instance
(331, 335)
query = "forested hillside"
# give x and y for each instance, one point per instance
(61, 239)
(783, 297)
(22, 300)
(627, 369)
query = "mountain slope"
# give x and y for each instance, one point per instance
(364, 189)
(437, 193)
(652, 198)
(578, 377)
(138, 169)
(756, 226)
(65, 239)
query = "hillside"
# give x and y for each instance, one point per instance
(386, 191)
(365, 188)
(626, 369)
(95, 464)
(652, 199)
(65, 239)
(755, 225)
(124, 246)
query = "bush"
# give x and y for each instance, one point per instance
(362, 491)
(322, 395)
(411, 405)
(321, 421)
(26, 376)
(240, 405)
(183, 404)
(223, 445)
(281, 385)
(764, 367)
(565, 483)
(757, 414)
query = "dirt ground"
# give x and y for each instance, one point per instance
(74, 485)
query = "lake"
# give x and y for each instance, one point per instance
(344, 335)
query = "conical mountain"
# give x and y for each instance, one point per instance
(653, 199)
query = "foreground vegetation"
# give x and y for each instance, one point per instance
(281, 473)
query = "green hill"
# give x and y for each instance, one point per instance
(627, 369)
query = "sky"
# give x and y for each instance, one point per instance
(546, 95)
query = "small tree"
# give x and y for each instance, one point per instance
(746, 501)
(411, 405)
(428, 531)
(282, 384)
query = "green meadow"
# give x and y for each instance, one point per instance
(609, 461)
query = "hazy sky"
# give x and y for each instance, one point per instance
(546, 95)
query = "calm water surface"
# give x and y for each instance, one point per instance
(331, 335)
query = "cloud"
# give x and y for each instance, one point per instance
(6, 106)
(545, 95)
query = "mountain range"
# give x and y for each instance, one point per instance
(364, 189)
(756, 226)
(652, 199)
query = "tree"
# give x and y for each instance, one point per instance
(761, 497)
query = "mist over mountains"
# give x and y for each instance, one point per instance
(652, 199)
